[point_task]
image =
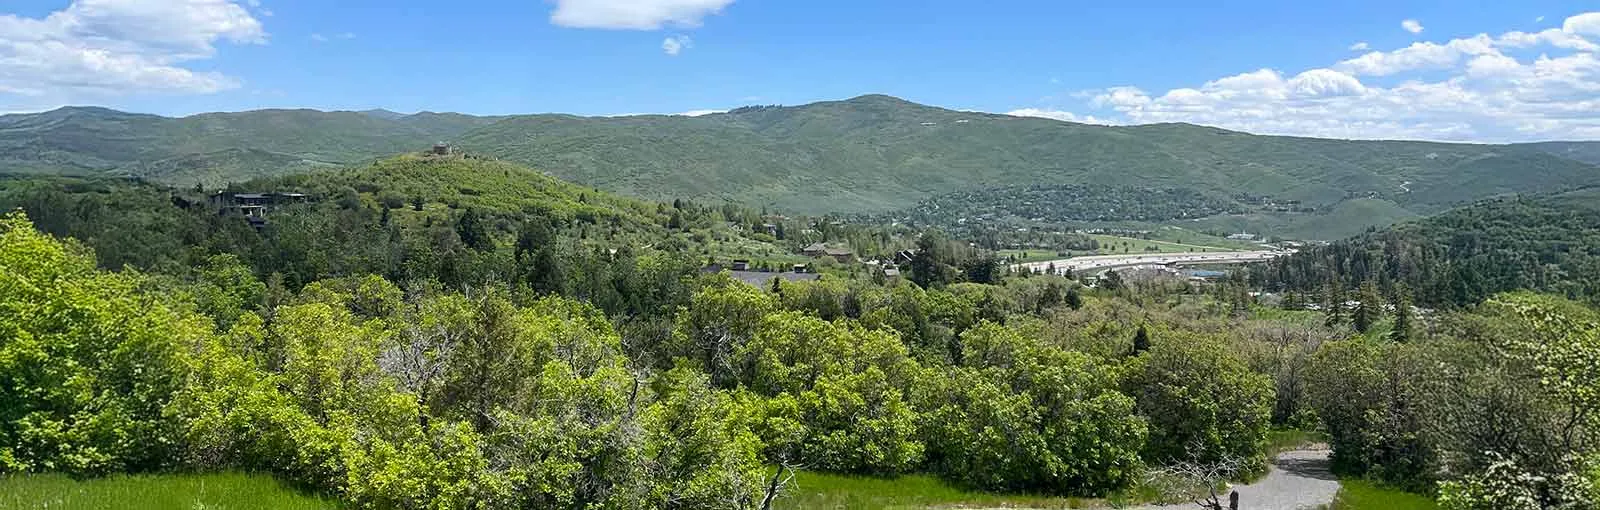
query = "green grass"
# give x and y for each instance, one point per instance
(1032, 255)
(1113, 245)
(223, 491)
(1364, 495)
(1282, 440)
(824, 491)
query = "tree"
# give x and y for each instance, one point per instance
(1333, 303)
(1111, 281)
(87, 365)
(1074, 299)
(844, 387)
(1404, 328)
(1006, 397)
(930, 266)
(1369, 309)
(473, 229)
(1141, 341)
(1202, 401)
(718, 322)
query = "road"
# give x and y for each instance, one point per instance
(1296, 480)
(1100, 262)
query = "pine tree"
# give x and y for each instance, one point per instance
(1074, 300)
(1404, 319)
(1370, 308)
(1333, 304)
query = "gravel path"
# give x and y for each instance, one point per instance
(1297, 480)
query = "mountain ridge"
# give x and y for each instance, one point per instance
(870, 153)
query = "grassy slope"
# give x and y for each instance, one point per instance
(1364, 495)
(229, 491)
(837, 492)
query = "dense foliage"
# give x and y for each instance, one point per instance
(1462, 257)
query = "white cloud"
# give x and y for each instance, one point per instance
(98, 48)
(1586, 24)
(676, 44)
(1538, 19)
(1060, 115)
(1412, 26)
(634, 14)
(344, 36)
(1360, 46)
(1516, 86)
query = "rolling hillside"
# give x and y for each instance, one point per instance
(1549, 243)
(213, 147)
(876, 152)
(868, 154)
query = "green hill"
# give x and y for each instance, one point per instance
(1547, 243)
(864, 155)
(876, 153)
(1587, 152)
(213, 147)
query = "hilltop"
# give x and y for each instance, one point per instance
(870, 154)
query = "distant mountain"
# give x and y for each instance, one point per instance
(1587, 152)
(877, 153)
(212, 147)
(868, 154)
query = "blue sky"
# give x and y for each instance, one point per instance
(1275, 67)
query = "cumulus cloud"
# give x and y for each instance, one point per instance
(1360, 46)
(1060, 115)
(634, 14)
(1516, 86)
(1412, 26)
(97, 48)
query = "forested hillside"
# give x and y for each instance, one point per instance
(459, 332)
(878, 152)
(869, 154)
(213, 148)
(1463, 256)
(1587, 152)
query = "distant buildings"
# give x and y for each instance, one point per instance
(253, 206)
(819, 250)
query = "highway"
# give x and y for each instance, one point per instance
(1095, 263)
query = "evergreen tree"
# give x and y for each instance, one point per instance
(1370, 308)
(1333, 304)
(1111, 281)
(1404, 319)
(474, 230)
(1074, 300)
(1141, 340)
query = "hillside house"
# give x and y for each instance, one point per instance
(840, 254)
(441, 149)
(253, 206)
(815, 250)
